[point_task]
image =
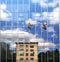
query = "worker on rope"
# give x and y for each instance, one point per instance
(44, 25)
(29, 25)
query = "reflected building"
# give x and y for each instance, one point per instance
(27, 52)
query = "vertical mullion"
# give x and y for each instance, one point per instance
(29, 8)
(29, 13)
(59, 40)
(35, 12)
(17, 14)
(0, 48)
(41, 33)
(17, 25)
(5, 39)
(0, 38)
(59, 31)
(28, 19)
(12, 27)
(47, 32)
(6, 51)
(23, 15)
(53, 37)
(0, 51)
(35, 20)
(6, 45)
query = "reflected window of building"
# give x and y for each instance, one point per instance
(31, 58)
(26, 58)
(31, 54)
(31, 50)
(26, 45)
(21, 59)
(26, 54)
(21, 46)
(31, 46)
(26, 50)
(22, 54)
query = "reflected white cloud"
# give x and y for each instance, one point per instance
(45, 3)
(13, 36)
(4, 16)
(32, 22)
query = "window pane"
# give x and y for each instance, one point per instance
(21, 54)
(21, 59)
(26, 58)
(26, 54)
(21, 49)
(31, 58)
(31, 54)
(31, 46)
(26, 45)
(31, 50)
(26, 50)
(21, 45)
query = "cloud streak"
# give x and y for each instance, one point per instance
(12, 36)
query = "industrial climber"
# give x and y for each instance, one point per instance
(29, 25)
(44, 25)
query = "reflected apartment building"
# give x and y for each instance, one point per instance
(27, 52)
